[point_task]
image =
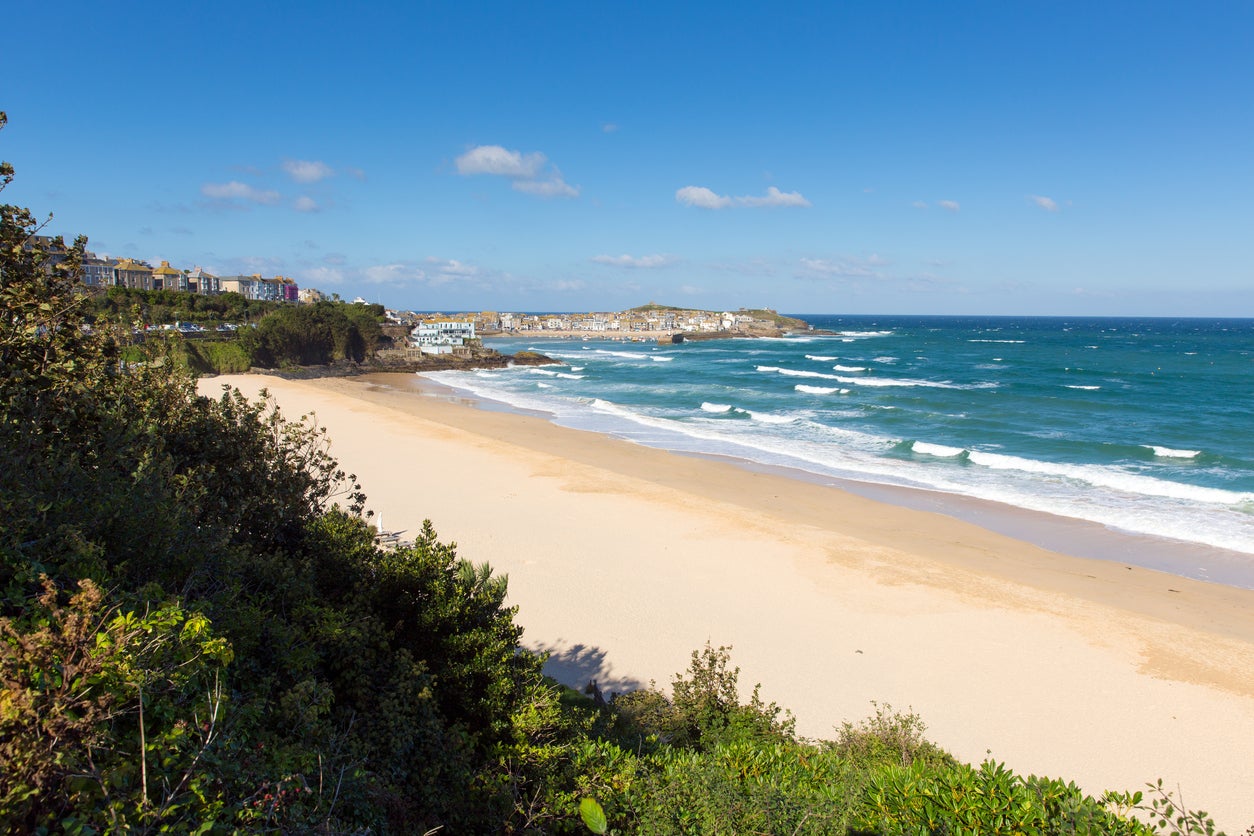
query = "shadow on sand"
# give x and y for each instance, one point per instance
(579, 664)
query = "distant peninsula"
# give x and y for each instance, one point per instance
(664, 323)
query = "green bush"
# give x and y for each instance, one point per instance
(742, 787)
(888, 738)
(704, 710)
(217, 357)
(925, 799)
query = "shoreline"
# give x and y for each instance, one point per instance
(624, 559)
(1066, 535)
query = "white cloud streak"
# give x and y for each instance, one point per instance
(641, 262)
(1046, 203)
(235, 190)
(848, 267)
(307, 171)
(555, 186)
(703, 198)
(531, 173)
(948, 205)
(305, 203)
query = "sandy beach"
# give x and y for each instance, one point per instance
(624, 559)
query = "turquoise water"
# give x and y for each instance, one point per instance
(1143, 426)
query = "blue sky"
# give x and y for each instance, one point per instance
(892, 157)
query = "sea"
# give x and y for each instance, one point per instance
(1122, 439)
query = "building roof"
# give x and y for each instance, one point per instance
(132, 264)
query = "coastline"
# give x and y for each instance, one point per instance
(624, 559)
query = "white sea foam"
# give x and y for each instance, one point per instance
(769, 417)
(630, 355)
(849, 368)
(997, 341)
(939, 450)
(545, 372)
(1085, 388)
(865, 334)
(796, 372)
(540, 384)
(819, 357)
(930, 384)
(570, 376)
(716, 407)
(885, 359)
(1113, 478)
(576, 368)
(1168, 453)
(820, 390)
(661, 359)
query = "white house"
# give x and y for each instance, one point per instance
(440, 337)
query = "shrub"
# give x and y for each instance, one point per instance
(888, 737)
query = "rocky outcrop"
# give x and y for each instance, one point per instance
(532, 358)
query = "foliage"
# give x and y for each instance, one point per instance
(888, 737)
(133, 306)
(705, 709)
(921, 798)
(1164, 811)
(743, 787)
(108, 720)
(216, 357)
(317, 334)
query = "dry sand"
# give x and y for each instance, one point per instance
(624, 559)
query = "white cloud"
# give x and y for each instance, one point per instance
(644, 261)
(235, 190)
(493, 159)
(1045, 203)
(553, 187)
(307, 171)
(305, 203)
(396, 273)
(948, 205)
(609, 128)
(530, 172)
(919, 204)
(452, 267)
(848, 267)
(704, 198)
(314, 276)
(774, 197)
(428, 272)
